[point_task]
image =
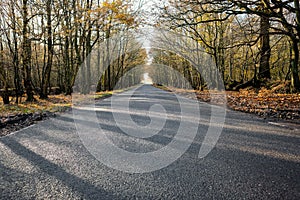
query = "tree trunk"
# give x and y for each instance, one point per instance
(66, 54)
(66, 63)
(107, 62)
(264, 65)
(297, 11)
(26, 55)
(3, 76)
(17, 82)
(50, 52)
(88, 50)
(295, 72)
(295, 82)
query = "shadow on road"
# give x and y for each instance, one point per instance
(78, 185)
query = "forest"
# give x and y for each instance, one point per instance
(253, 43)
(45, 43)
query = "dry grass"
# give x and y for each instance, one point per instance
(55, 103)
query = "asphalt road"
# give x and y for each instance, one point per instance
(252, 159)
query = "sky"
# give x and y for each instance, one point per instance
(148, 7)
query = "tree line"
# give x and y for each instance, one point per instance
(252, 43)
(44, 44)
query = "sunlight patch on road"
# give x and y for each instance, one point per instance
(262, 152)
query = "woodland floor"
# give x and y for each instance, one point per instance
(264, 103)
(14, 117)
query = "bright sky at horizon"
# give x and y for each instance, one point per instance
(148, 8)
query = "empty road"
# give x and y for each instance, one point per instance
(59, 159)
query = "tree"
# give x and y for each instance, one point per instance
(26, 52)
(3, 75)
(50, 51)
(264, 64)
(285, 16)
(206, 24)
(276, 18)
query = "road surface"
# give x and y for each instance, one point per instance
(253, 159)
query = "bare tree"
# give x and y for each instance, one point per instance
(50, 51)
(26, 52)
